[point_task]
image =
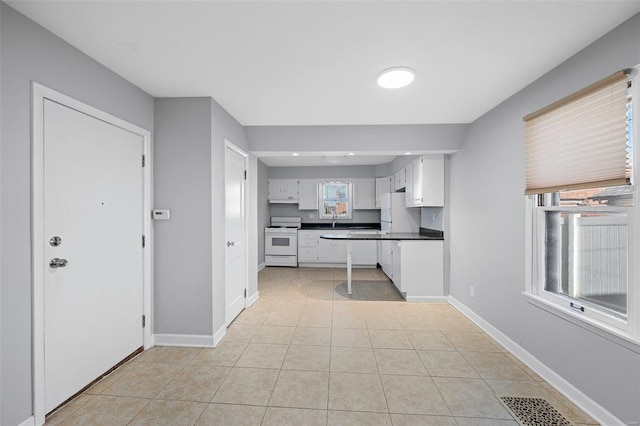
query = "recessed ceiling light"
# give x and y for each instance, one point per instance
(407, 153)
(396, 77)
(295, 154)
(333, 159)
(352, 153)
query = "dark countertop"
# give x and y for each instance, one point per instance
(344, 225)
(424, 235)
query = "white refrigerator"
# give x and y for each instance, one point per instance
(395, 216)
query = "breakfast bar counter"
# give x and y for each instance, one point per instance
(424, 235)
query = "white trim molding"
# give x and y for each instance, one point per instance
(190, 340)
(419, 299)
(586, 404)
(261, 266)
(38, 95)
(31, 421)
(253, 298)
(218, 335)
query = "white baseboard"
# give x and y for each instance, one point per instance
(218, 335)
(261, 266)
(586, 404)
(253, 298)
(184, 340)
(31, 421)
(414, 299)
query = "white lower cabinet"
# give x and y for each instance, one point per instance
(332, 251)
(416, 267)
(307, 246)
(307, 254)
(313, 249)
(325, 250)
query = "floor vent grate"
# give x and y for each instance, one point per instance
(533, 412)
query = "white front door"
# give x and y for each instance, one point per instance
(93, 226)
(235, 257)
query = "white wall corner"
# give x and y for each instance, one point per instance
(218, 335)
(253, 298)
(261, 266)
(586, 404)
(184, 340)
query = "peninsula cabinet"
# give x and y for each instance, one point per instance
(415, 267)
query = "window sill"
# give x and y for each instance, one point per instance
(589, 324)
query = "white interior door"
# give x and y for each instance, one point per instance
(235, 257)
(93, 202)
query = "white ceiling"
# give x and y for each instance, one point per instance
(316, 62)
(302, 63)
(308, 159)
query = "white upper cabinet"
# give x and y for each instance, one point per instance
(308, 196)
(409, 193)
(400, 179)
(364, 194)
(428, 182)
(383, 186)
(283, 191)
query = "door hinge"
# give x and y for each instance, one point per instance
(245, 175)
(245, 293)
(144, 160)
(143, 241)
(144, 321)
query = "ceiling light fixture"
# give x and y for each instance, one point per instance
(352, 153)
(295, 154)
(395, 78)
(407, 153)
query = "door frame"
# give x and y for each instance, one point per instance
(38, 95)
(245, 222)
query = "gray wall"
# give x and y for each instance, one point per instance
(182, 245)
(189, 155)
(435, 137)
(223, 126)
(488, 233)
(31, 53)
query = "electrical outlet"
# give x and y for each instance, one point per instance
(472, 291)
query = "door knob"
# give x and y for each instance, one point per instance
(230, 244)
(58, 263)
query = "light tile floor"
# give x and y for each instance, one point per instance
(306, 353)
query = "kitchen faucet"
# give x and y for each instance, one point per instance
(333, 223)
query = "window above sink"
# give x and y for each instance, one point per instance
(335, 200)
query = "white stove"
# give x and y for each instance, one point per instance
(281, 241)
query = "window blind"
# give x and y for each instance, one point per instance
(580, 141)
